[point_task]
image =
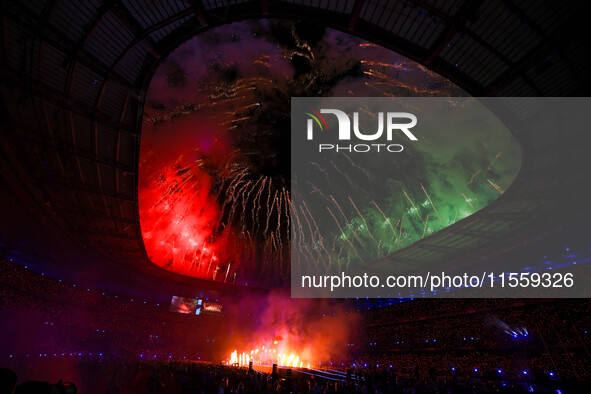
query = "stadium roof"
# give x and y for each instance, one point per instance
(75, 74)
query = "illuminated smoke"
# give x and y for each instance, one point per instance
(292, 332)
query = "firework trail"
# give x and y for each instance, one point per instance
(364, 222)
(261, 179)
(416, 210)
(425, 227)
(387, 219)
(298, 225)
(340, 228)
(433, 205)
(257, 204)
(349, 225)
(317, 231)
(490, 166)
(268, 209)
(473, 176)
(468, 201)
(497, 187)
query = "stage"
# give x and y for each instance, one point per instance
(328, 374)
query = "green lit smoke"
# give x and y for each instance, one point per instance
(354, 208)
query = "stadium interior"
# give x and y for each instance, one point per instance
(146, 209)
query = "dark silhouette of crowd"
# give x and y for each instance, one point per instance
(425, 345)
(201, 377)
(67, 320)
(516, 339)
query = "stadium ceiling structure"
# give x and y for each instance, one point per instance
(75, 74)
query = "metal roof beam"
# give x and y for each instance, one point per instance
(61, 146)
(46, 93)
(63, 43)
(466, 11)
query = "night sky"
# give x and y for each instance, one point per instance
(214, 185)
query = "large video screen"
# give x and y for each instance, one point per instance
(209, 306)
(189, 306)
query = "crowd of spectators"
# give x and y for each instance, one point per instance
(433, 345)
(201, 377)
(55, 318)
(543, 337)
